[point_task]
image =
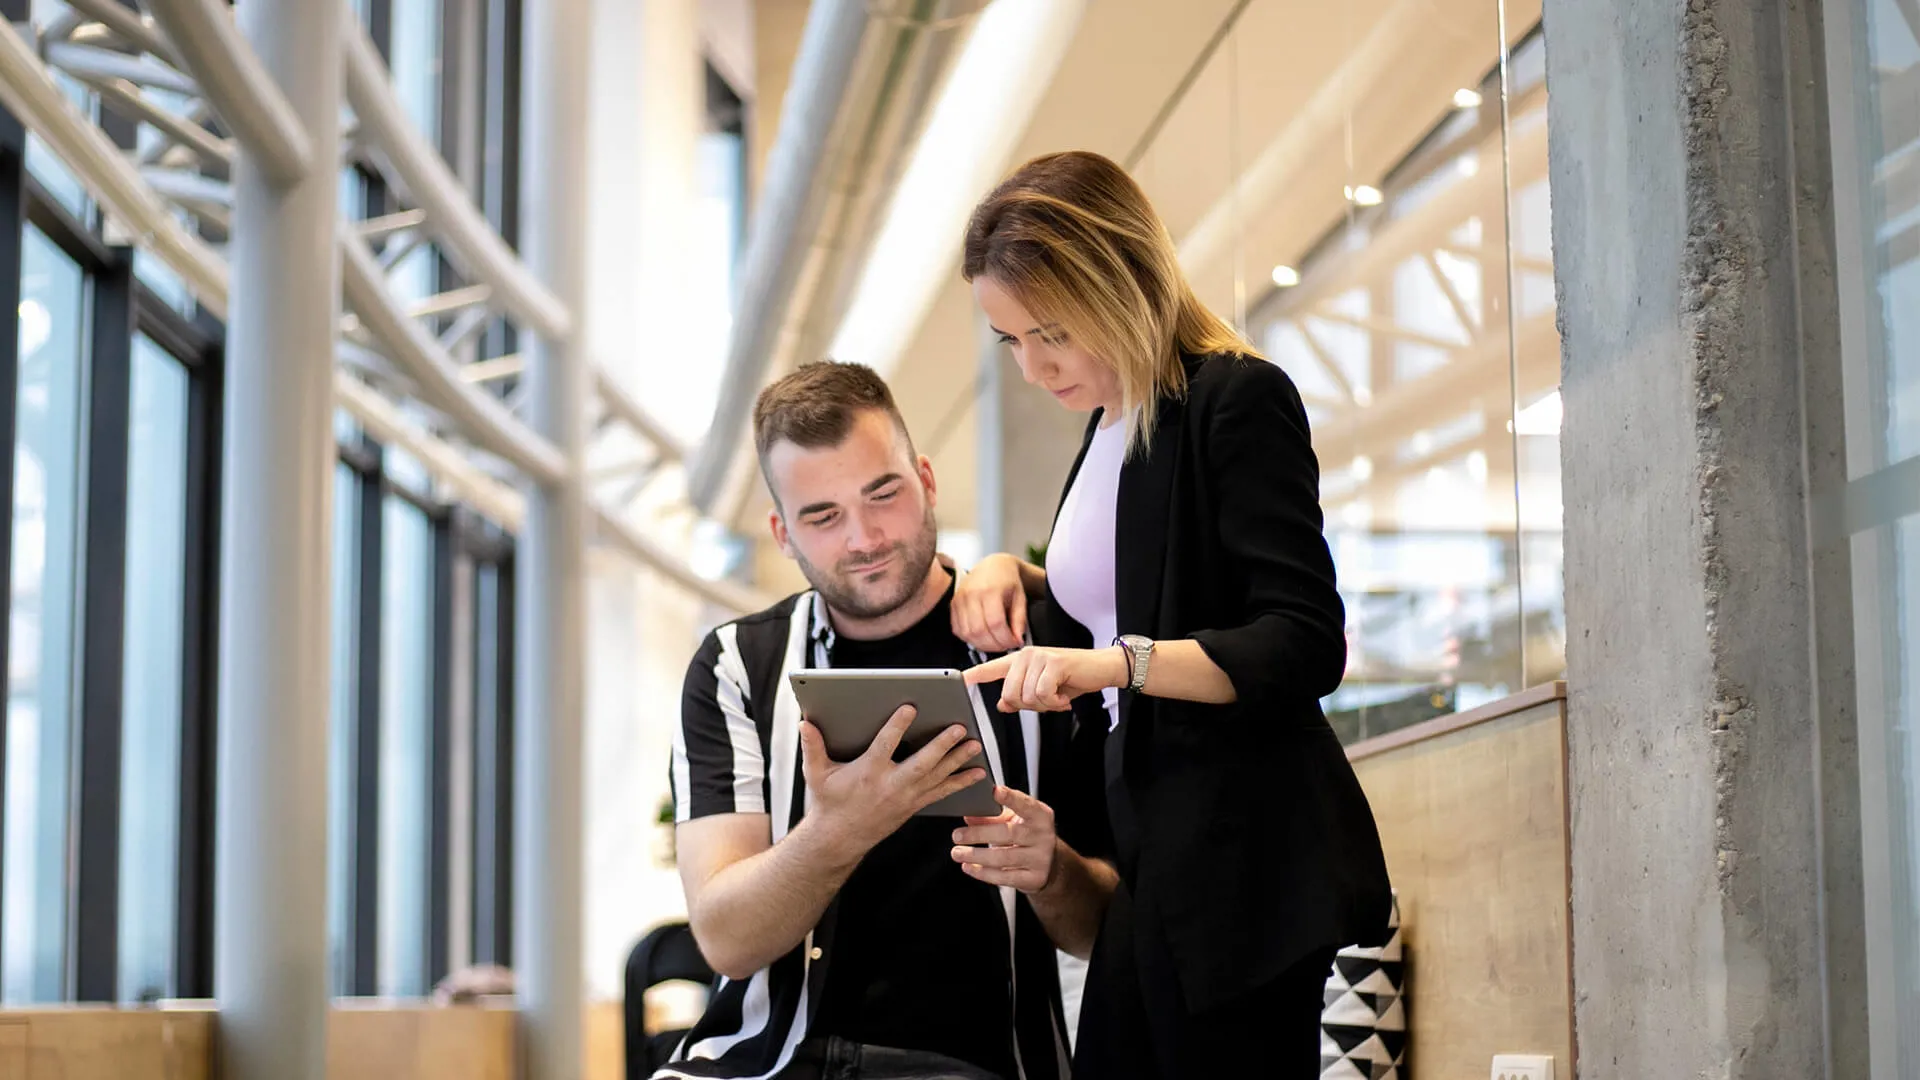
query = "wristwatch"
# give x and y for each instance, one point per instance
(1139, 654)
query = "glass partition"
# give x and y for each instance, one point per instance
(43, 640)
(1380, 227)
(1873, 65)
(153, 658)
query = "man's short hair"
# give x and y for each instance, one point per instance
(815, 405)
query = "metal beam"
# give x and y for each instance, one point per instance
(28, 91)
(270, 886)
(550, 575)
(621, 405)
(379, 228)
(1327, 363)
(387, 424)
(1373, 324)
(500, 367)
(626, 538)
(466, 238)
(211, 149)
(1469, 320)
(232, 79)
(435, 374)
(1443, 394)
(450, 301)
(190, 189)
(128, 25)
(93, 64)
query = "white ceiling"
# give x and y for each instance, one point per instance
(1303, 98)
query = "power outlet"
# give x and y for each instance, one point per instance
(1523, 1067)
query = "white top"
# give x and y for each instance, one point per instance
(1080, 557)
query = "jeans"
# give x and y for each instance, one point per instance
(834, 1058)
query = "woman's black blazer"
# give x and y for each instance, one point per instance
(1241, 831)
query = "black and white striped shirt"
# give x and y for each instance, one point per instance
(737, 750)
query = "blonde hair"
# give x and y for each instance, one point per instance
(1075, 240)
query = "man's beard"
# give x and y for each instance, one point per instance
(844, 593)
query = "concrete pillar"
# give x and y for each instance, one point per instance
(550, 684)
(1713, 793)
(1027, 442)
(270, 880)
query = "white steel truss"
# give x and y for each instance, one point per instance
(183, 70)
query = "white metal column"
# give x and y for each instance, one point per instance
(549, 640)
(270, 940)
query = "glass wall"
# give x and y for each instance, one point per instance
(406, 729)
(42, 639)
(343, 737)
(114, 404)
(1873, 65)
(1418, 323)
(154, 666)
(713, 239)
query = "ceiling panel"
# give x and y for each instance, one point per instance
(1331, 94)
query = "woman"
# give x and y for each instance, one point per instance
(1201, 627)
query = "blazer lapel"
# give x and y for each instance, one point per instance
(1140, 536)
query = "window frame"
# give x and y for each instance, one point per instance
(121, 307)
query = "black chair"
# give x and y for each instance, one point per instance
(666, 954)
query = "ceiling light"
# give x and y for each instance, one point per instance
(1421, 444)
(1362, 396)
(1363, 468)
(1364, 195)
(1464, 98)
(1286, 276)
(1477, 465)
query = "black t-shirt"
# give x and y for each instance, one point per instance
(921, 948)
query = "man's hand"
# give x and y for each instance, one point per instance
(1021, 843)
(862, 802)
(1068, 891)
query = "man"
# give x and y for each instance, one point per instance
(856, 939)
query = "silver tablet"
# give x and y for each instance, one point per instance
(851, 705)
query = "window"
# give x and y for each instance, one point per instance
(342, 820)
(1435, 412)
(42, 651)
(415, 61)
(492, 787)
(154, 670)
(715, 235)
(406, 746)
(1873, 63)
(149, 141)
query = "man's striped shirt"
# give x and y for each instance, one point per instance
(737, 750)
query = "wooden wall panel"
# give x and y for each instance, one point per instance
(1474, 821)
(606, 1041)
(381, 1039)
(95, 1043)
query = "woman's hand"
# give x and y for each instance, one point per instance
(1047, 680)
(990, 605)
